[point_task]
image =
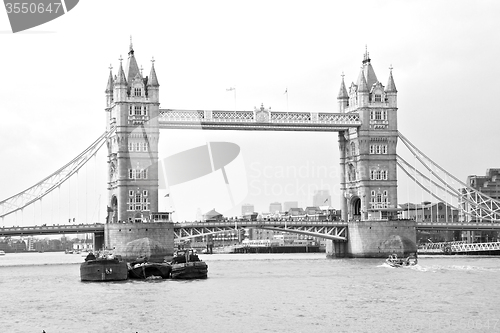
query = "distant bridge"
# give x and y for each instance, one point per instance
(457, 226)
(334, 230)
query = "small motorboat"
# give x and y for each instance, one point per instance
(2, 253)
(187, 265)
(107, 268)
(394, 261)
(149, 270)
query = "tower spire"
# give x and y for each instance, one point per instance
(131, 47)
(366, 57)
(362, 86)
(153, 80)
(132, 68)
(109, 86)
(391, 86)
(343, 91)
(120, 78)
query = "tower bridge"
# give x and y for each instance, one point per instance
(367, 130)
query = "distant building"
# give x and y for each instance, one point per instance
(247, 209)
(322, 198)
(489, 184)
(212, 215)
(275, 207)
(428, 212)
(315, 214)
(296, 214)
(290, 204)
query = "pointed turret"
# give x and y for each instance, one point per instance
(362, 86)
(120, 78)
(343, 96)
(368, 71)
(153, 86)
(109, 86)
(343, 90)
(391, 91)
(153, 80)
(391, 86)
(120, 91)
(132, 68)
(363, 93)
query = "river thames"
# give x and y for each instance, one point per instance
(256, 293)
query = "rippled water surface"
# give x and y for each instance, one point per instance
(256, 293)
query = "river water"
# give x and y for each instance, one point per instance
(256, 293)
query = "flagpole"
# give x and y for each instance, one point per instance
(286, 93)
(233, 89)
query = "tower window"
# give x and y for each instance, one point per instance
(137, 91)
(130, 110)
(378, 98)
(137, 110)
(144, 146)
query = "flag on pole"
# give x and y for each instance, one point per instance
(286, 91)
(230, 89)
(325, 200)
(167, 195)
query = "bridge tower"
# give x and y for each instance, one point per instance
(368, 153)
(369, 170)
(133, 226)
(132, 104)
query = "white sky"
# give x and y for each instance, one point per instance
(445, 56)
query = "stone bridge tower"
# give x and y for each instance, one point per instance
(134, 226)
(132, 104)
(368, 163)
(368, 153)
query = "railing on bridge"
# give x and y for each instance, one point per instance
(52, 229)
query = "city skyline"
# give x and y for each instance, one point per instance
(53, 102)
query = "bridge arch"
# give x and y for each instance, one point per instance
(355, 207)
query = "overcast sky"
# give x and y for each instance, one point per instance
(445, 56)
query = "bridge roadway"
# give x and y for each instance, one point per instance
(330, 230)
(325, 229)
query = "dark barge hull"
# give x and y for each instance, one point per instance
(104, 270)
(190, 270)
(150, 270)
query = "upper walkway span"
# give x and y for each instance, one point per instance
(261, 119)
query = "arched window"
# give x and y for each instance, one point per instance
(351, 173)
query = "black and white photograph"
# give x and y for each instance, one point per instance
(249, 166)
